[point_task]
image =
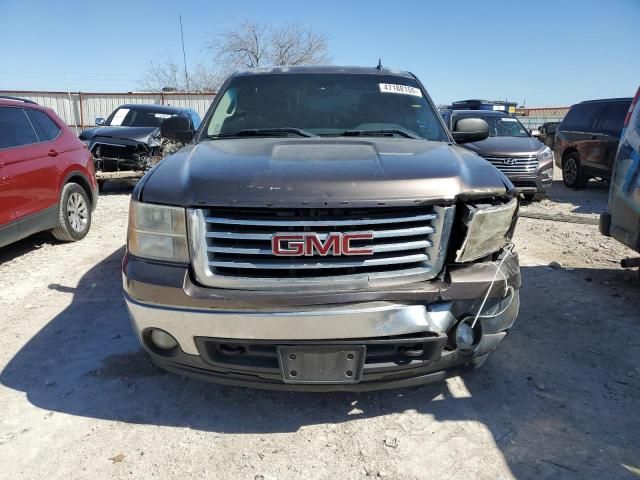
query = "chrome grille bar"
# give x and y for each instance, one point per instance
(402, 232)
(383, 248)
(231, 248)
(520, 165)
(304, 263)
(318, 223)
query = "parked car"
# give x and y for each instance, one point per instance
(548, 133)
(128, 142)
(587, 140)
(47, 181)
(323, 231)
(622, 220)
(511, 149)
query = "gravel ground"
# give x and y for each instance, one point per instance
(558, 399)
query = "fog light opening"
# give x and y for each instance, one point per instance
(162, 340)
(466, 336)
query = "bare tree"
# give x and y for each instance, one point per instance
(249, 45)
(167, 74)
(253, 45)
(294, 45)
(163, 73)
(243, 47)
(205, 79)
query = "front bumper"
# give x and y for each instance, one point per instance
(207, 321)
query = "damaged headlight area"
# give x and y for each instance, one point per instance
(489, 228)
(157, 232)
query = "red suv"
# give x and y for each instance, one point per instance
(47, 180)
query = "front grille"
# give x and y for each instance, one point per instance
(514, 165)
(232, 247)
(121, 152)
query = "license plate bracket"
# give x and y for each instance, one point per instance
(312, 364)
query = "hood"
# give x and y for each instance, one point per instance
(311, 172)
(138, 134)
(506, 146)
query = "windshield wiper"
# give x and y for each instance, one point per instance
(387, 132)
(258, 132)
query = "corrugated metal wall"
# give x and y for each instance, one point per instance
(534, 117)
(101, 104)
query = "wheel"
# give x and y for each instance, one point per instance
(533, 197)
(74, 217)
(573, 174)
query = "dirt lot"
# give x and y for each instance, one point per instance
(559, 399)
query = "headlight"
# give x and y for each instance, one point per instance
(488, 230)
(157, 232)
(545, 154)
(548, 172)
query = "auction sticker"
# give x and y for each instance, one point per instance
(402, 89)
(117, 119)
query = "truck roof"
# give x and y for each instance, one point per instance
(325, 69)
(621, 99)
(154, 107)
(483, 112)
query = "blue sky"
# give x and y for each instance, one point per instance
(544, 52)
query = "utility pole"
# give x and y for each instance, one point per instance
(184, 55)
(71, 110)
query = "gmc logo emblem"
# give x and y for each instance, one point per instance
(310, 244)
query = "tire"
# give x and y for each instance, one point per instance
(74, 217)
(533, 197)
(573, 175)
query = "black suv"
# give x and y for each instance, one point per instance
(587, 140)
(129, 139)
(548, 133)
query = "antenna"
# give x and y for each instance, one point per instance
(184, 55)
(379, 67)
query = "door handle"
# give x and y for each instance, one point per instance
(53, 153)
(1, 164)
(594, 137)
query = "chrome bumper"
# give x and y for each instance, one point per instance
(364, 320)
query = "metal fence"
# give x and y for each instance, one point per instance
(80, 109)
(534, 122)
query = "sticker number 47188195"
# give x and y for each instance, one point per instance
(402, 89)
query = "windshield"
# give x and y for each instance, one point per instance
(326, 105)
(499, 125)
(131, 117)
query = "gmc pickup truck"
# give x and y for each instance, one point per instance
(322, 230)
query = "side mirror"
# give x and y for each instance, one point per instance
(178, 129)
(535, 133)
(100, 121)
(470, 130)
